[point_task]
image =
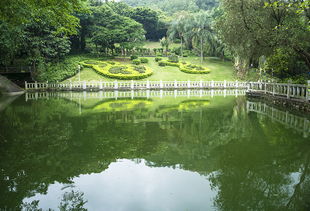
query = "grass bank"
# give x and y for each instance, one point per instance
(220, 70)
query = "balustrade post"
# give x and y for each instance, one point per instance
(175, 84)
(100, 85)
(26, 85)
(288, 91)
(84, 85)
(115, 85)
(132, 86)
(36, 85)
(237, 85)
(148, 84)
(189, 84)
(212, 84)
(200, 84)
(273, 89)
(225, 84)
(161, 85)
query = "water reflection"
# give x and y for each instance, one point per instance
(209, 152)
(127, 185)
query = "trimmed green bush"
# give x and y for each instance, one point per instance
(134, 57)
(144, 60)
(157, 59)
(140, 69)
(194, 69)
(162, 63)
(167, 63)
(118, 71)
(136, 61)
(185, 67)
(159, 54)
(173, 58)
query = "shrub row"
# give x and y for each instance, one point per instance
(157, 59)
(118, 71)
(193, 69)
(185, 67)
(140, 61)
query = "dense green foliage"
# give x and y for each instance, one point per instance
(270, 36)
(53, 72)
(172, 6)
(253, 29)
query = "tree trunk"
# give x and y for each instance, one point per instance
(304, 54)
(241, 66)
(201, 49)
(181, 46)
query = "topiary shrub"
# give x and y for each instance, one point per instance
(185, 67)
(134, 57)
(173, 58)
(122, 72)
(119, 69)
(193, 69)
(162, 63)
(159, 54)
(157, 59)
(91, 62)
(144, 60)
(140, 69)
(136, 61)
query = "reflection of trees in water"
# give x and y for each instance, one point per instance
(253, 158)
(261, 174)
(70, 201)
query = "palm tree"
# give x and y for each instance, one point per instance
(201, 29)
(178, 27)
(165, 42)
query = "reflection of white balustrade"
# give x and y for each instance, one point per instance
(133, 94)
(295, 122)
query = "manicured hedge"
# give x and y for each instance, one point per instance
(136, 61)
(157, 59)
(193, 69)
(186, 67)
(118, 71)
(144, 60)
(134, 57)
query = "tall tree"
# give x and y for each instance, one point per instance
(201, 30)
(110, 28)
(251, 29)
(59, 13)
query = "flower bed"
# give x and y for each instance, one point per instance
(186, 67)
(118, 71)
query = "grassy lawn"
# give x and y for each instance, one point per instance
(219, 71)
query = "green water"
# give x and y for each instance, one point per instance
(150, 154)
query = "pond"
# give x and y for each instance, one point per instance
(78, 151)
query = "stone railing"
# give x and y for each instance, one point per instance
(297, 91)
(134, 85)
